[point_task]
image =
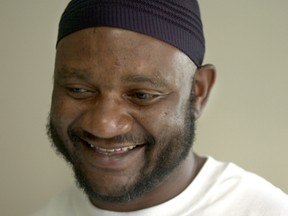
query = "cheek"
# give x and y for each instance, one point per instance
(164, 119)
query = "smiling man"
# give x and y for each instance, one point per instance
(128, 86)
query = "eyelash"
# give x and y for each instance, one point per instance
(143, 98)
(140, 95)
(77, 90)
(79, 93)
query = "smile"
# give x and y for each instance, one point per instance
(120, 150)
(112, 151)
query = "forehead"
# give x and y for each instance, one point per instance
(117, 50)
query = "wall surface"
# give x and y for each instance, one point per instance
(245, 120)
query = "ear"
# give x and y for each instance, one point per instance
(204, 79)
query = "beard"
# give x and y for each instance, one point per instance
(176, 147)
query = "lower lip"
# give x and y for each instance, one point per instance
(111, 161)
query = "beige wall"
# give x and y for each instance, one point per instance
(245, 121)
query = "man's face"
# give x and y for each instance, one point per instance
(122, 111)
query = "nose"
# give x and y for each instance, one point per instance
(106, 118)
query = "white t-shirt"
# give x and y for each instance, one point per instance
(220, 189)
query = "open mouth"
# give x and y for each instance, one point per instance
(112, 151)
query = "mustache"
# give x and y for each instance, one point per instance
(77, 136)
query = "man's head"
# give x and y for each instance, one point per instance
(123, 111)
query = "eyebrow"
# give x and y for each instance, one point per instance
(67, 73)
(156, 81)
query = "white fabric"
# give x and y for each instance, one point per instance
(220, 189)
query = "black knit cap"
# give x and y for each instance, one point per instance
(176, 22)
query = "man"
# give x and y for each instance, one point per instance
(128, 86)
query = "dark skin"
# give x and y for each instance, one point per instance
(111, 82)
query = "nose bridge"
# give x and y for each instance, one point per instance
(107, 118)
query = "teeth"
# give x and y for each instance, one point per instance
(124, 149)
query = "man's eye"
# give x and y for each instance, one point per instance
(77, 90)
(143, 96)
(79, 93)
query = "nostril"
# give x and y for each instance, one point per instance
(106, 123)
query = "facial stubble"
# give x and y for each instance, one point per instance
(175, 150)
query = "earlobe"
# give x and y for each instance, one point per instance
(204, 79)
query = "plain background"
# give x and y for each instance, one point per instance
(245, 120)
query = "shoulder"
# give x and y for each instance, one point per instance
(238, 187)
